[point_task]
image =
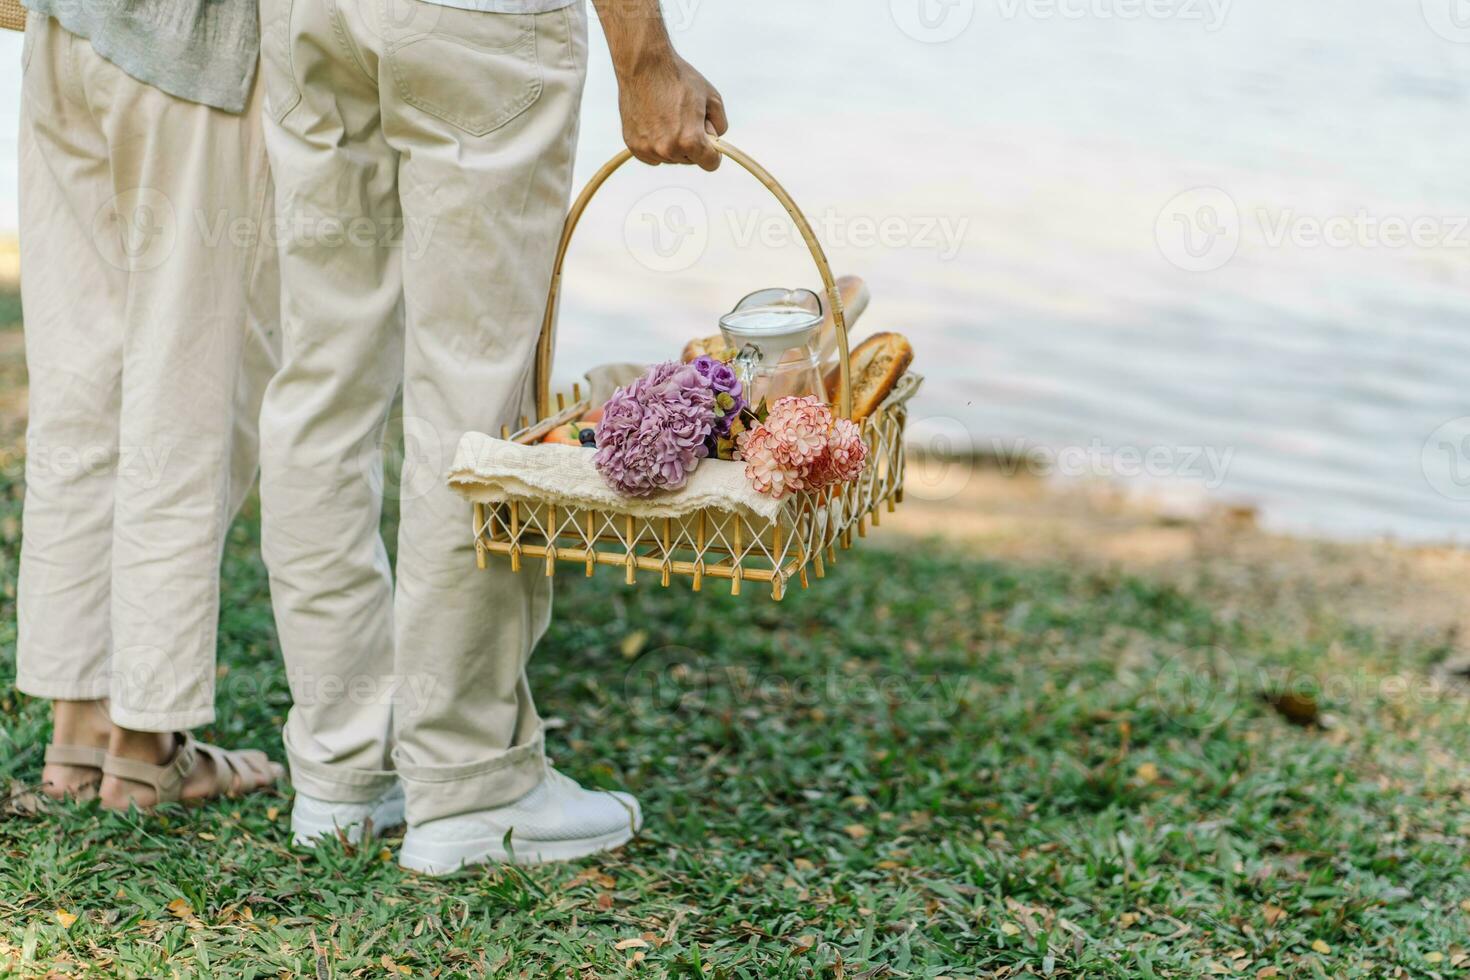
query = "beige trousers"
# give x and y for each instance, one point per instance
(144, 290)
(423, 159)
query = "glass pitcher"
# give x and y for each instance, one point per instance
(775, 334)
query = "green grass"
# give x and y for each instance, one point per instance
(9, 309)
(927, 765)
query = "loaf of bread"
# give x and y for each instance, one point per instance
(712, 346)
(877, 364)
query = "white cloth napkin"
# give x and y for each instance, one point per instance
(490, 470)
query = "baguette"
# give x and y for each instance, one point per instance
(877, 364)
(855, 297)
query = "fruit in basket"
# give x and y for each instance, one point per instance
(877, 365)
(572, 434)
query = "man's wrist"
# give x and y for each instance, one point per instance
(644, 57)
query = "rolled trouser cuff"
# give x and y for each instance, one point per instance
(52, 689)
(435, 792)
(334, 783)
(160, 721)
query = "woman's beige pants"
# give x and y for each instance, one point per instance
(423, 159)
(144, 288)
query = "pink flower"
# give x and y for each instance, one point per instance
(765, 466)
(801, 447)
(800, 426)
(844, 458)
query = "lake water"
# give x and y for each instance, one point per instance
(1218, 250)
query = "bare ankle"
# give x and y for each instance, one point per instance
(154, 748)
(80, 723)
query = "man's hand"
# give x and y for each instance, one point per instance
(670, 112)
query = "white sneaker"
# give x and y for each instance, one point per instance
(556, 821)
(313, 819)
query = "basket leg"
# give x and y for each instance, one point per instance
(480, 536)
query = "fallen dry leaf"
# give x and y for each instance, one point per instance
(180, 907)
(1321, 947)
(856, 831)
(633, 943)
(633, 644)
(1297, 707)
(1148, 773)
(65, 918)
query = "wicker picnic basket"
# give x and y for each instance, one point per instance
(12, 15)
(709, 543)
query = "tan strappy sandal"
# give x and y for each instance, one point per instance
(167, 780)
(80, 757)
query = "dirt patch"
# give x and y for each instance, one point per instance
(1221, 553)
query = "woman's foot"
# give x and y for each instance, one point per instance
(79, 734)
(144, 769)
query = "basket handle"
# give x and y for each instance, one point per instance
(547, 342)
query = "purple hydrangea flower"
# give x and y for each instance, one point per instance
(654, 431)
(729, 395)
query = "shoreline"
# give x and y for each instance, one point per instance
(1407, 590)
(993, 509)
